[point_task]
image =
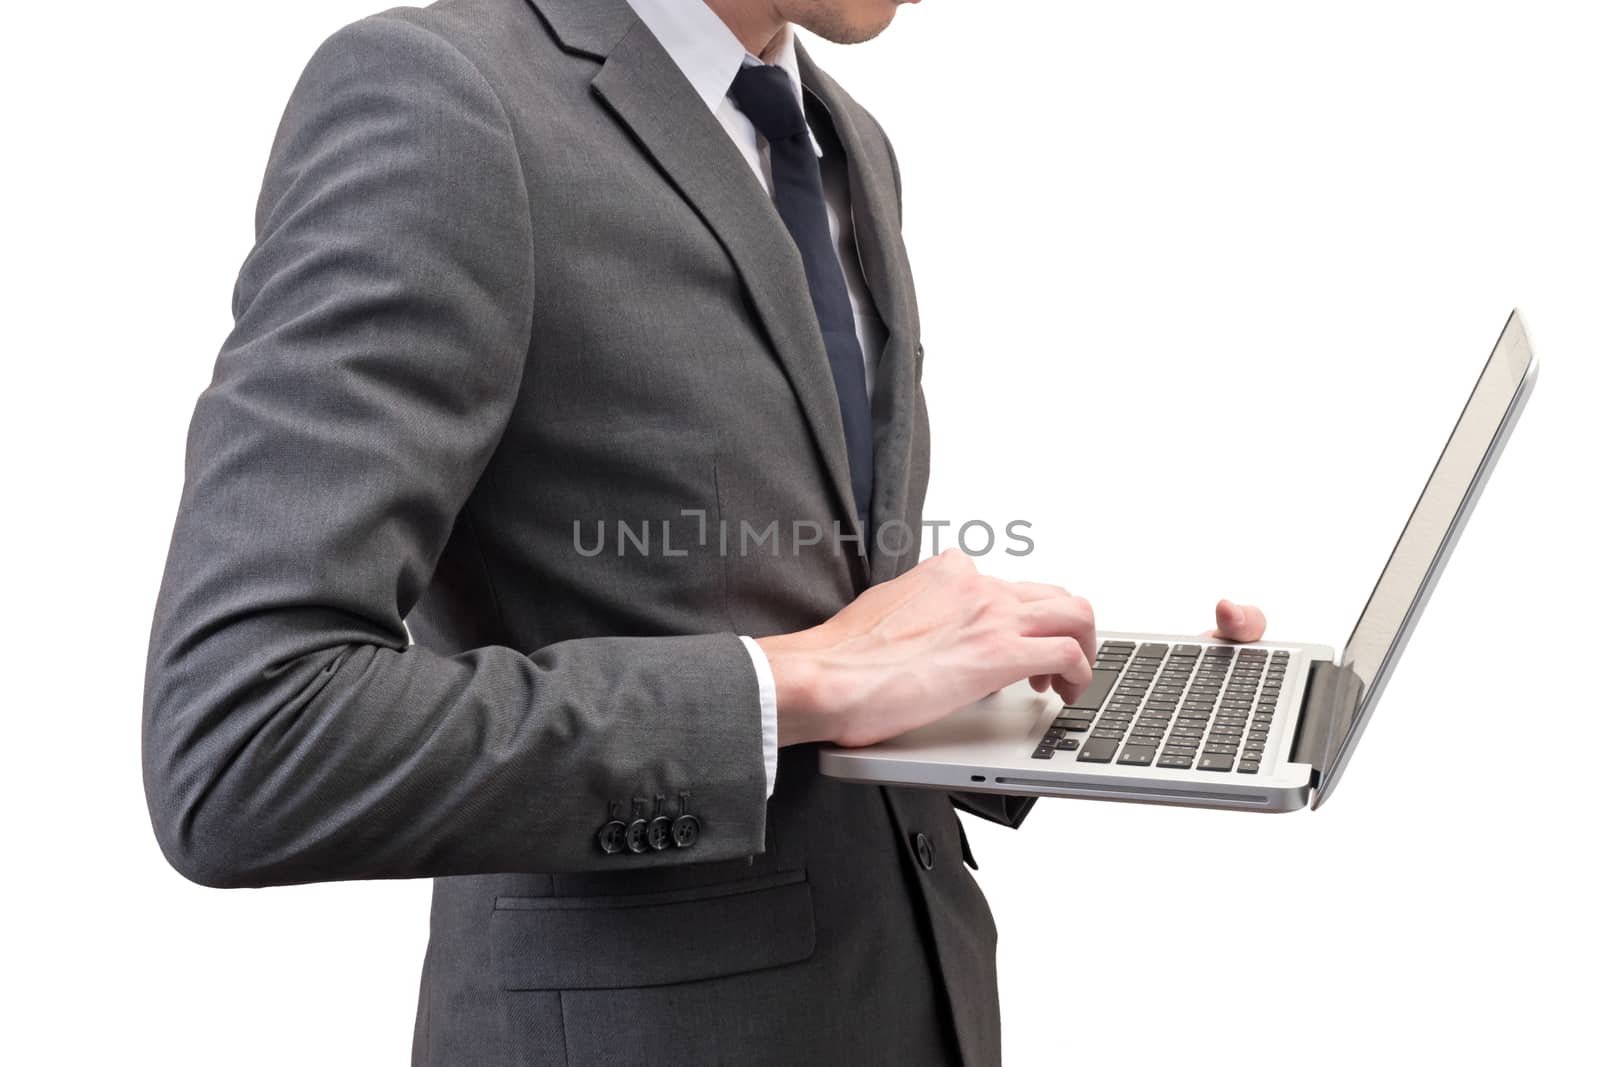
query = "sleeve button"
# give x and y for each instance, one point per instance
(611, 836)
(685, 831)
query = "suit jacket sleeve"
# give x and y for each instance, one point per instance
(382, 323)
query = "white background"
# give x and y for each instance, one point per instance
(1202, 285)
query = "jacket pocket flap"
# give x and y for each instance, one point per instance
(651, 939)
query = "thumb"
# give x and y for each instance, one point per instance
(1238, 623)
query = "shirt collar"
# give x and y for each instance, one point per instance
(708, 53)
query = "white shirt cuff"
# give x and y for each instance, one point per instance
(768, 690)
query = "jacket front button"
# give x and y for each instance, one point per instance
(924, 852)
(635, 836)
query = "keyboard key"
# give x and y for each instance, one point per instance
(1043, 752)
(1075, 726)
(1151, 650)
(1138, 755)
(1098, 750)
(1248, 766)
(1213, 763)
(1067, 744)
(1176, 763)
(1097, 692)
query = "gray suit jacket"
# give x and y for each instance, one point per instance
(511, 275)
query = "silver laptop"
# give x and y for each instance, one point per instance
(1180, 720)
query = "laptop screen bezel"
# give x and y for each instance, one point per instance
(1512, 342)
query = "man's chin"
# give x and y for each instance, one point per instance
(848, 28)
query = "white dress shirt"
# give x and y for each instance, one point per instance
(709, 55)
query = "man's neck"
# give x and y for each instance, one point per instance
(756, 23)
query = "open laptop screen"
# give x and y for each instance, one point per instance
(1435, 522)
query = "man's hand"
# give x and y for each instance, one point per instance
(1236, 622)
(913, 650)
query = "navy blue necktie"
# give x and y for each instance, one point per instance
(767, 97)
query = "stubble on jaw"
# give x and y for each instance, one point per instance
(827, 20)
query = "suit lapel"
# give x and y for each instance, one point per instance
(875, 207)
(648, 94)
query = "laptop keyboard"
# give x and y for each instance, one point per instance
(1180, 707)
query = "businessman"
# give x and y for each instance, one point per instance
(578, 340)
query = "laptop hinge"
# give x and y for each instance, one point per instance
(1332, 693)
